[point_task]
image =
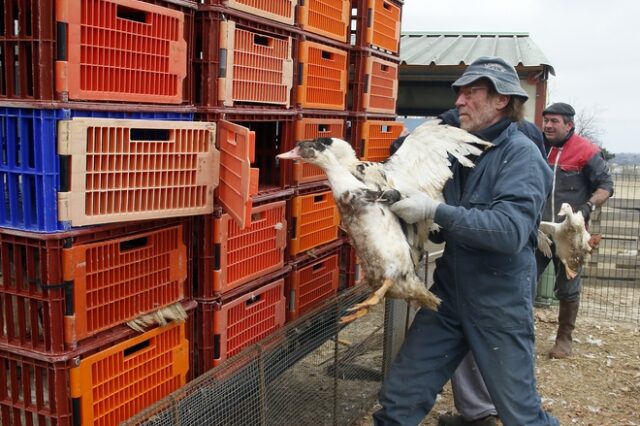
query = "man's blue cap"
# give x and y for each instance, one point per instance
(503, 76)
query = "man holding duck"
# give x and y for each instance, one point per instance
(485, 276)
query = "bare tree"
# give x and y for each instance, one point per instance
(588, 125)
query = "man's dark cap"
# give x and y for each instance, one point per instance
(559, 108)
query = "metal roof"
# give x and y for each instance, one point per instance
(433, 48)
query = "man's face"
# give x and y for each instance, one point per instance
(554, 127)
(477, 109)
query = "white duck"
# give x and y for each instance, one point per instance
(573, 242)
(363, 191)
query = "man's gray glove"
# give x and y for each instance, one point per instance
(416, 207)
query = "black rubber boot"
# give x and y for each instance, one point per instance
(566, 325)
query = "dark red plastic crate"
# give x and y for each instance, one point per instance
(312, 281)
(62, 288)
(232, 256)
(229, 326)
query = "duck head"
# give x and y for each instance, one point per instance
(321, 152)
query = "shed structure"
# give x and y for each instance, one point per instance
(431, 61)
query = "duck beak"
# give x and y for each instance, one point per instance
(290, 155)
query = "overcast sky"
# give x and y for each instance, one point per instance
(592, 45)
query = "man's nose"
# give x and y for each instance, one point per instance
(460, 100)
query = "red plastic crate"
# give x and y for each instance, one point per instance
(375, 138)
(258, 67)
(65, 287)
(312, 282)
(322, 76)
(103, 386)
(376, 88)
(329, 18)
(315, 220)
(230, 326)
(121, 50)
(125, 170)
(311, 128)
(236, 256)
(277, 10)
(383, 27)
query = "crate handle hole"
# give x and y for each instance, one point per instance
(131, 14)
(386, 6)
(133, 244)
(150, 135)
(323, 128)
(257, 216)
(318, 266)
(385, 129)
(136, 348)
(384, 68)
(327, 55)
(262, 40)
(253, 299)
(318, 198)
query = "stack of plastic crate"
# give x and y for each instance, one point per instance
(103, 170)
(244, 75)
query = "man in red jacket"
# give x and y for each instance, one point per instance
(582, 179)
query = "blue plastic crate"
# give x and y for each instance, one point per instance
(30, 168)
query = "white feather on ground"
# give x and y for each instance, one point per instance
(363, 191)
(573, 243)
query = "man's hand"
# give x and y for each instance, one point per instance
(586, 210)
(415, 207)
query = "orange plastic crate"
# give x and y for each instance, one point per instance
(381, 90)
(125, 170)
(383, 29)
(311, 128)
(238, 180)
(323, 76)
(116, 383)
(121, 50)
(247, 319)
(329, 18)
(277, 10)
(258, 67)
(243, 255)
(377, 136)
(114, 379)
(120, 279)
(315, 221)
(312, 284)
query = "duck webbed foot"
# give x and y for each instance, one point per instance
(362, 308)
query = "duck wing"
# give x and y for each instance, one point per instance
(423, 161)
(544, 244)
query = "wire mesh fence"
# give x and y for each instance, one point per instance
(611, 279)
(311, 372)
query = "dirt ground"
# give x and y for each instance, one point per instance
(598, 385)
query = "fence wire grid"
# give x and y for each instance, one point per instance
(314, 372)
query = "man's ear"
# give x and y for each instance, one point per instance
(502, 101)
